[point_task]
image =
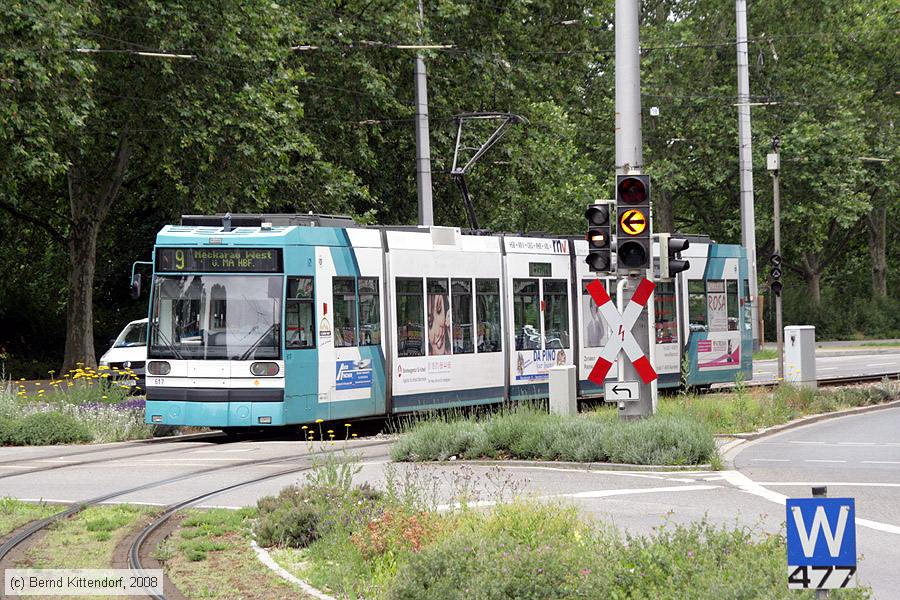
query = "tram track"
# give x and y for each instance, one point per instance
(62, 465)
(21, 537)
(824, 381)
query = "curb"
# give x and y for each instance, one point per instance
(574, 466)
(265, 558)
(728, 450)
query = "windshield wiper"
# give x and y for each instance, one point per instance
(166, 342)
(270, 329)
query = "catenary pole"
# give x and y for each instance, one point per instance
(630, 161)
(423, 144)
(748, 218)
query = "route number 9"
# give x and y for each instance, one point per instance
(179, 260)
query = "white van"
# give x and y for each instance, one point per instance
(129, 351)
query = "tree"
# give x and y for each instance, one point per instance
(218, 131)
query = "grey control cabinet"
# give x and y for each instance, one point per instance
(800, 355)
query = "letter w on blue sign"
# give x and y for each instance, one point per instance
(821, 543)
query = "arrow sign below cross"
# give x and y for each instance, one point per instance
(622, 338)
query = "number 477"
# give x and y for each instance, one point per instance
(820, 577)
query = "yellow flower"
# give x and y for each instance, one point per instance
(105, 397)
(346, 424)
(330, 431)
(103, 368)
(353, 435)
(304, 427)
(320, 420)
(37, 383)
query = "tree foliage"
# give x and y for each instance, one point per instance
(309, 106)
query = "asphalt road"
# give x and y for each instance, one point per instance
(855, 456)
(844, 365)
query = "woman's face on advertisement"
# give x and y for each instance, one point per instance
(437, 324)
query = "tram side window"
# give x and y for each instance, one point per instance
(697, 304)
(487, 300)
(410, 317)
(594, 329)
(526, 314)
(369, 312)
(299, 314)
(461, 300)
(745, 302)
(556, 313)
(438, 317)
(344, 293)
(732, 304)
(665, 311)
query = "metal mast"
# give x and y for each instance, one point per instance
(748, 218)
(423, 145)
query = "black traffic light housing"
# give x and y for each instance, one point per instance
(669, 262)
(775, 274)
(633, 222)
(599, 237)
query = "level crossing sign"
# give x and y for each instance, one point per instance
(622, 338)
(821, 543)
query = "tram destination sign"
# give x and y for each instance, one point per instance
(218, 260)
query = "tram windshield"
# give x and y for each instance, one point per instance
(235, 317)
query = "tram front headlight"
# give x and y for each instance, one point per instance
(159, 367)
(264, 369)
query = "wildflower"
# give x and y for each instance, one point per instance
(304, 427)
(320, 420)
(37, 384)
(353, 435)
(330, 431)
(104, 397)
(346, 424)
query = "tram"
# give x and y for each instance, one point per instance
(268, 320)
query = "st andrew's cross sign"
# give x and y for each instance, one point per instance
(622, 338)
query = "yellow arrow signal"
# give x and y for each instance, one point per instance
(633, 222)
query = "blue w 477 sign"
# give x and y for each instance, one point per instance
(821, 543)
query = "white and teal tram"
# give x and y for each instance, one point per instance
(278, 319)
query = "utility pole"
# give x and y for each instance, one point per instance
(423, 144)
(748, 218)
(630, 161)
(774, 165)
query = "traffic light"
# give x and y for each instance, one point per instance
(599, 237)
(669, 248)
(775, 274)
(633, 222)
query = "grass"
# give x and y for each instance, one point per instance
(95, 401)
(766, 354)
(15, 513)
(881, 344)
(209, 556)
(529, 433)
(750, 409)
(530, 550)
(86, 541)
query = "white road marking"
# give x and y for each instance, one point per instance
(56, 461)
(744, 483)
(770, 460)
(797, 442)
(827, 368)
(880, 364)
(880, 462)
(15, 467)
(857, 444)
(229, 450)
(833, 483)
(594, 494)
(822, 460)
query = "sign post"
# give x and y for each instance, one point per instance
(627, 394)
(821, 543)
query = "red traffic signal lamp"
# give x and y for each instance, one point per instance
(599, 237)
(633, 222)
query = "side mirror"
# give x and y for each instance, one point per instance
(136, 286)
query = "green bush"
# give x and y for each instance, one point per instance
(513, 554)
(299, 515)
(43, 428)
(528, 433)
